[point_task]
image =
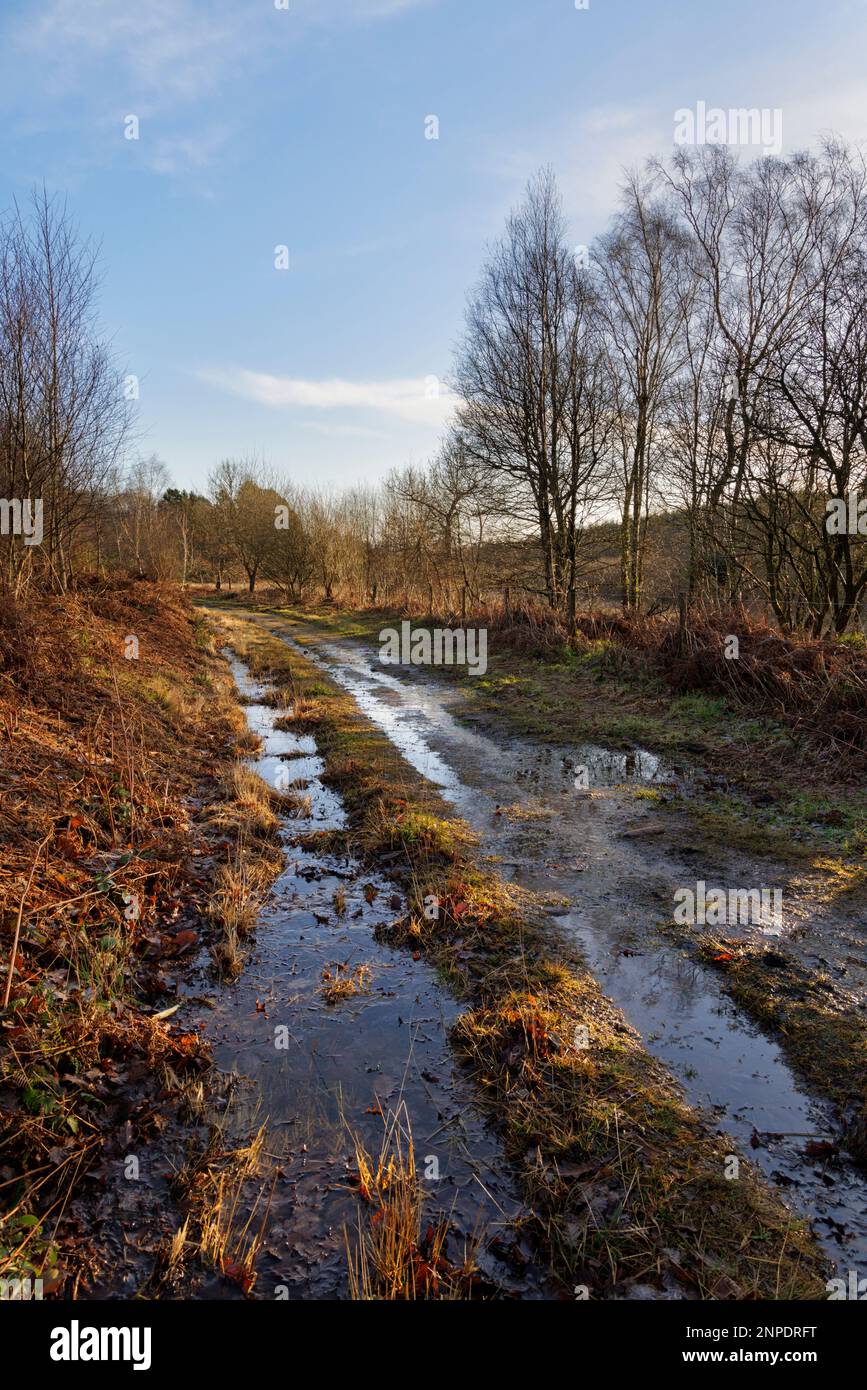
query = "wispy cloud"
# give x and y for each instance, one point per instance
(171, 50)
(590, 151)
(175, 154)
(592, 147)
(174, 49)
(418, 400)
(82, 68)
(167, 60)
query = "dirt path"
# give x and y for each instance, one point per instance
(605, 853)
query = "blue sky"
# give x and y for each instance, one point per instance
(304, 126)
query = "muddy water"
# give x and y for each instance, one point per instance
(344, 1067)
(614, 864)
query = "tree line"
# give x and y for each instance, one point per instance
(671, 409)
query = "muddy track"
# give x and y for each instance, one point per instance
(319, 1073)
(616, 865)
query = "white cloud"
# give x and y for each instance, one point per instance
(417, 400)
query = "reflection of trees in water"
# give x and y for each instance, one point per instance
(683, 982)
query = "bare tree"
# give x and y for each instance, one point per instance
(64, 419)
(524, 370)
(645, 292)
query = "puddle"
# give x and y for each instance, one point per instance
(599, 851)
(340, 1065)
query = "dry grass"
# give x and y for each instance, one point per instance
(241, 886)
(299, 804)
(222, 1229)
(237, 892)
(252, 861)
(110, 768)
(248, 742)
(340, 981)
(397, 1254)
(249, 800)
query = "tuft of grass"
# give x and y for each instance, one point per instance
(339, 982)
(240, 886)
(252, 799)
(213, 1187)
(299, 804)
(398, 1255)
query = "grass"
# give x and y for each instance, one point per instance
(240, 888)
(617, 1170)
(252, 796)
(248, 811)
(797, 826)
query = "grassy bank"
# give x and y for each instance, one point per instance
(131, 840)
(625, 1184)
